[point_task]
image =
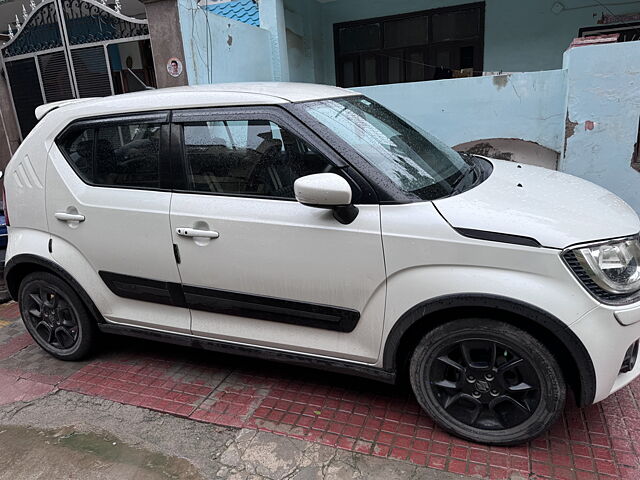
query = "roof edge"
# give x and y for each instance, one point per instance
(42, 110)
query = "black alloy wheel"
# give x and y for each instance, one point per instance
(487, 381)
(482, 383)
(55, 316)
(51, 317)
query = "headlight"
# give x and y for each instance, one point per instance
(613, 266)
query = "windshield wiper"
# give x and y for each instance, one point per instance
(460, 184)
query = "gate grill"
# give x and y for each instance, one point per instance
(25, 88)
(40, 32)
(88, 23)
(60, 52)
(92, 74)
(55, 77)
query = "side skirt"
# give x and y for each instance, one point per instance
(335, 366)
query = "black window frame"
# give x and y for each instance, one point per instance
(363, 193)
(428, 49)
(161, 117)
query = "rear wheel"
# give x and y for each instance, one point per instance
(487, 381)
(55, 316)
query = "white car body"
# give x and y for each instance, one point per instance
(394, 264)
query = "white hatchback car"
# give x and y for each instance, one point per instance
(309, 224)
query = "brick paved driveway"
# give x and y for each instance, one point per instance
(600, 442)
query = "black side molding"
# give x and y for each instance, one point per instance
(335, 366)
(137, 288)
(233, 303)
(271, 309)
(498, 237)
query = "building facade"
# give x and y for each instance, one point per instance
(503, 78)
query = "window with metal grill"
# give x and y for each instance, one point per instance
(418, 46)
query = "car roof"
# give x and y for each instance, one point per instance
(198, 96)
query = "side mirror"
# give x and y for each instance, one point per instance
(327, 190)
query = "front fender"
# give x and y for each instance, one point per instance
(543, 304)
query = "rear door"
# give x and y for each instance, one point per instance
(107, 205)
(265, 270)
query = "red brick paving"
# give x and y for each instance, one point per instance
(15, 389)
(599, 442)
(10, 311)
(14, 345)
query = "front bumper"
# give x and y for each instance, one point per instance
(607, 334)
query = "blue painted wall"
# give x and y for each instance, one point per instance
(603, 116)
(589, 112)
(219, 49)
(528, 106)
(520, 35)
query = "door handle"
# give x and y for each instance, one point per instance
(69, 217)
(194, 232)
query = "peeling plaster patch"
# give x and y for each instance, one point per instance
(514, 150)
(589, 125)
(500, 81)
(229, 40)
(569, 130)
(487, 150)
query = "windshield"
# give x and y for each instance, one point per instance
(416, 163)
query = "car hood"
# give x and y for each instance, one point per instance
(556, 209)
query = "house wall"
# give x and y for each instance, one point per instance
(520, 36)
(603, 117)
(588, 113)
(526, 106)
(219, 49)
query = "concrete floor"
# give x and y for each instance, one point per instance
(183, 413)
(74, 436)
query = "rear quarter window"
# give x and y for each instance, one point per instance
(114, 155)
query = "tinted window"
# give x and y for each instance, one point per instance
(406, 32)
(120, 155)
(78, 145)
(248, 157)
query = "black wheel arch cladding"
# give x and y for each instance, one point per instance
(571, 354)
(21, 265)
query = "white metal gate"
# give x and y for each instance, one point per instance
(60, 51)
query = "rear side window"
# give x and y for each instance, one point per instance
(115, 155)
(247, 157)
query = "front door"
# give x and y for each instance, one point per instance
(257, 267)
(108, 213)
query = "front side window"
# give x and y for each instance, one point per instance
(247, 157)
(116, 155)
(419, 165)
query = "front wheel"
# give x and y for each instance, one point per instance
(55, 316)
(487, 381)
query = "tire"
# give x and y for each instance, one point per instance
(55, 316)
(487, 381)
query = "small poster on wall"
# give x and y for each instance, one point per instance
(174, 67)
